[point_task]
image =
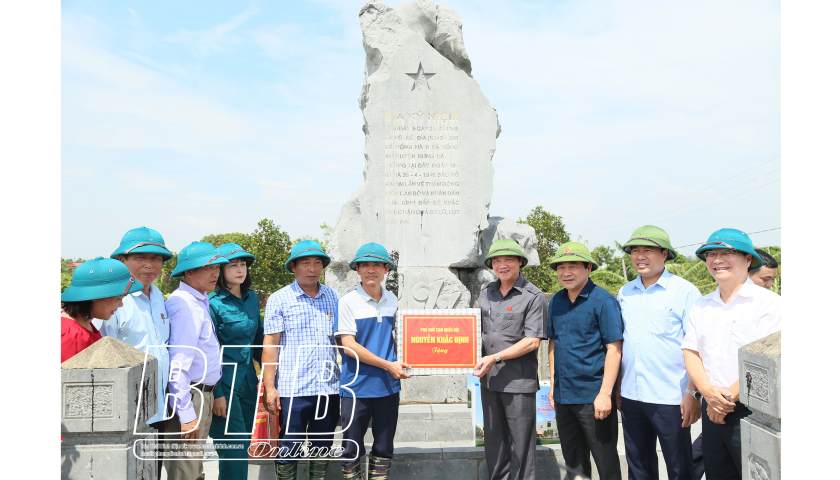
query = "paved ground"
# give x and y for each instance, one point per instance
(265, 472)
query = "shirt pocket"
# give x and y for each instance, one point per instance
(512, 325)
(743, 333)
(663, 323)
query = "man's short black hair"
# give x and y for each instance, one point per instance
(246, 285)
(78, 309)
(583, 263)
(768, 259)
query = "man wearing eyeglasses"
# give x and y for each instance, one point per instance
(657, 399)
(738, 312)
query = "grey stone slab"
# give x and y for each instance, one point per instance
(446, 411)
(105, 400)
(426, 389)
(415, 412)
(104, 461)
(456, 389)
(433, 469)
(411, 431)
(761, 450)
(760, 374)
(421, 451)
(448, 430)
(468, 452)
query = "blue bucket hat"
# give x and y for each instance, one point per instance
(733, 239)
(142, 240)
(372, 252)
(232, 251)
(197, 255)
(100, 278)
(307, 248)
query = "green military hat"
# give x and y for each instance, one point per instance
(197, 255)
(504, 247)
(307, 248)
(100, 278)
(651, 236)
(142, 240)
(372, 252)
(572, 252)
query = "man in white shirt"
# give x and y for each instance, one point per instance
(738, 312)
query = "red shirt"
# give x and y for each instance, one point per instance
(75, 338)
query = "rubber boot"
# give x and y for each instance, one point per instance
(318, 469)
(286, 471)
(352, 470)
(378, 467)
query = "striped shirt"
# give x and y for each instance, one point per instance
(308, 354)
(371, 322)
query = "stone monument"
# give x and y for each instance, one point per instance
(430, 136)
(100, 396)
(760, 375)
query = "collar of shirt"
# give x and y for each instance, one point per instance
(518, 284)
(662, 281)
(195, 293)
(299, 291)
(361, 290)
(746, 290)
(587, 289)
(225, 293)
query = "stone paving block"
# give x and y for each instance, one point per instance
(449, 429)
(410, 431)
(415, 412)
(446, 410)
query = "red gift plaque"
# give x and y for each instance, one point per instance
(439, 342)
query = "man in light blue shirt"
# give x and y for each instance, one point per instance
(142, 322)
(657, 397)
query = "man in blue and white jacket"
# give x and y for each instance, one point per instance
(364, 325)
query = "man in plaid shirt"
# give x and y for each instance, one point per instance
(299, 318)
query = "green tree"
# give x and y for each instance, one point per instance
(223, 238)
(608, 280)
(271, 246)
(551, 233)
(164, 282)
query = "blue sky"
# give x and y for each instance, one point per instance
(204, 117)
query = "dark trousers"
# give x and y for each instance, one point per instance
(160, 427)
(697, 453)
(581, 434)
(298, 416)
(510, 416)
(722, 444)
(381, 413)
(643, 423)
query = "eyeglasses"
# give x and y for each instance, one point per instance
(723, 254)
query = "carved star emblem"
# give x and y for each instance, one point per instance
(421, 78)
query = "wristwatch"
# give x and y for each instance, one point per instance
(498, 358)
(694, 393)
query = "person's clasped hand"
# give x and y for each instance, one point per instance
(716, 398)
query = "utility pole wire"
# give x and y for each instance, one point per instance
(690, 194)
(694, 203)
(705, 206)
(751, 233)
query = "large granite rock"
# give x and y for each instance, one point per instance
(430, 136)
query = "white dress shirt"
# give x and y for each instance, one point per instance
(716, 330)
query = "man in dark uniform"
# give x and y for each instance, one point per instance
(584, 355)
(513, 321)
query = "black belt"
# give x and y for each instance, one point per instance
(203, 387)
